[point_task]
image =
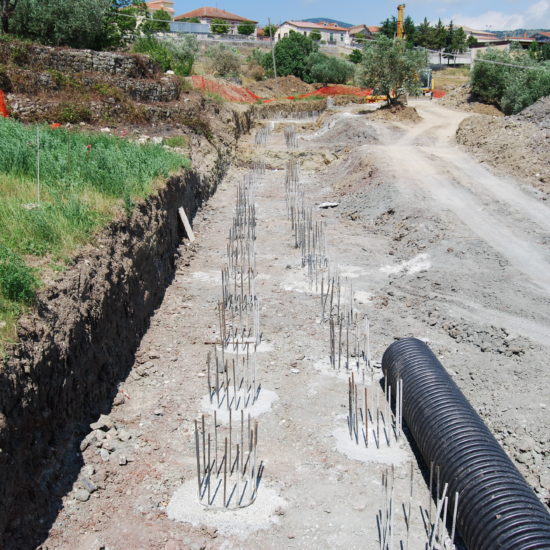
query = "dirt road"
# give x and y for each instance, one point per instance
(436, 246)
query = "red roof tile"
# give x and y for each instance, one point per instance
(323, 26)
(212, 13)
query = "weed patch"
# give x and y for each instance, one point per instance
(53, 198)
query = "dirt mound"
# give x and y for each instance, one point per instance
(345, 129)
(398, 112)
(538, 113)
(460, 98)
(511, 144)
(283, 86)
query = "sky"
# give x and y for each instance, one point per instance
(479, 14)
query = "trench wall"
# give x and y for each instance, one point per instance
(79, 344)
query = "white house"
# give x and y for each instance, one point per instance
(330, 32)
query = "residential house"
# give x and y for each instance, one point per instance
(364, 30)
(206, 14)
(165, 5)
(541, 36)
(482, 37)
(330, 32)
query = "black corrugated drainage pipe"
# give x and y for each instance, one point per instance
(497, 509)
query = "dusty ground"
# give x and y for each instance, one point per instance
(518, 144)
(437, 246)
(459, 97)
(280, 87)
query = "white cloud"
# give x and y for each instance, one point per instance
(536, 16)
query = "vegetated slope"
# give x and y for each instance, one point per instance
(518, 144)
(58, 187)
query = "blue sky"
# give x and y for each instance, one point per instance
(480, 14)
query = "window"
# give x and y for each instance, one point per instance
(342, 37)
(305, 33)
(331, 39)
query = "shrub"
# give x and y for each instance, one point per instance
(72, 113)
(183, 52)
(355, 56)
(224, 61)
(524, 87)
(488, 81)
(176, 141)
(219, 26)
(246, 28)
(157, 50)
(329, 69)
(315, 35)
(510, 88)
(160, 25)
(18, 282)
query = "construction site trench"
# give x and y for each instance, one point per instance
(417, 238)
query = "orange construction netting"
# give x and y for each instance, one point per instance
(3, 107)
(327, 91)
(225, 90)
(232, 92)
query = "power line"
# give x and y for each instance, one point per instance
(529, 67)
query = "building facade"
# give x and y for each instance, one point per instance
(206, 14)
(330, 33)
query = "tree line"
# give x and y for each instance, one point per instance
(449, 38)
(97, 24)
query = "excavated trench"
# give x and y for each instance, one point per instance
(80, 342)
(79, 345)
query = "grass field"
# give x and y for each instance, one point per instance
(57, 188)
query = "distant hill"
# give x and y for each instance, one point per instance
(518, 32)
(328, 20)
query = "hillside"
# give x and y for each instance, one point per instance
(327, 20)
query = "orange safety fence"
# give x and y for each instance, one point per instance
(3, 107)
(327, 91)
(232, 92)
(228, 91)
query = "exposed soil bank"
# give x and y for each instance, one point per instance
(80, 342)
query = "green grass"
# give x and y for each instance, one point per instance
(55, 201)
(176, 141)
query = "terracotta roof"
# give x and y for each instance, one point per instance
(161, 5)
(320, 26)
(212, 13)
(543, 34)
(357, 28)
(374, 28)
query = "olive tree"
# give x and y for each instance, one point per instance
(390, 68)
(76, 23)
(224, 61)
